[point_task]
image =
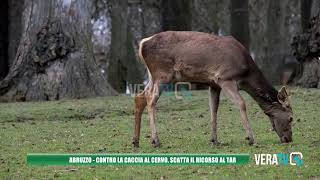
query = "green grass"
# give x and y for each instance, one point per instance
(104, 125)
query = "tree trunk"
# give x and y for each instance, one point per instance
(275, 51)
(123, 66)
(207, 15)
(15, 28)
(55, 59)
(176, 15)
(151, 17)
(240, 21)
(4, 39)
(315, 10)
(135, 70)
(305, 9)
(306, 49)
(117, 71)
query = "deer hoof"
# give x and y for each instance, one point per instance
(135, 143)
(214, 142)
(155, 143)
(251, 141)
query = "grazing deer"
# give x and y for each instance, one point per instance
(220, 62)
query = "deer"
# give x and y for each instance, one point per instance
(222, 63)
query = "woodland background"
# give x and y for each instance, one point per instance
(57, 49)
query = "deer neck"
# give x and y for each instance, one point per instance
(263, 93)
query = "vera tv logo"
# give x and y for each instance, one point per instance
(294, 159)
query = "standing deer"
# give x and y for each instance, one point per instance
(220, 62)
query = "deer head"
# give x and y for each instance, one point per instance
(282, 117)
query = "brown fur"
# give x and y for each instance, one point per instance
(220, 62)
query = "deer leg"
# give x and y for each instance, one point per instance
(140, 104)
(214, 94)
(230, 89)
(152, 99)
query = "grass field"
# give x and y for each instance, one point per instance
(104, 125)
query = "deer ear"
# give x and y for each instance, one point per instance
(283, 95)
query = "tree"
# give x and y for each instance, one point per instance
(4, 39)
(123, 67)
(306, 49)
(176, 15)
(305, 9)
(315, 10)
(275, 51)
(54, 59)
(239, 14)
(118, 52)
(207, 16)
(151, 17)
(15, 27)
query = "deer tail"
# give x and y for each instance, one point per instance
(142, 58)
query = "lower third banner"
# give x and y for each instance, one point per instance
(137, 159)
